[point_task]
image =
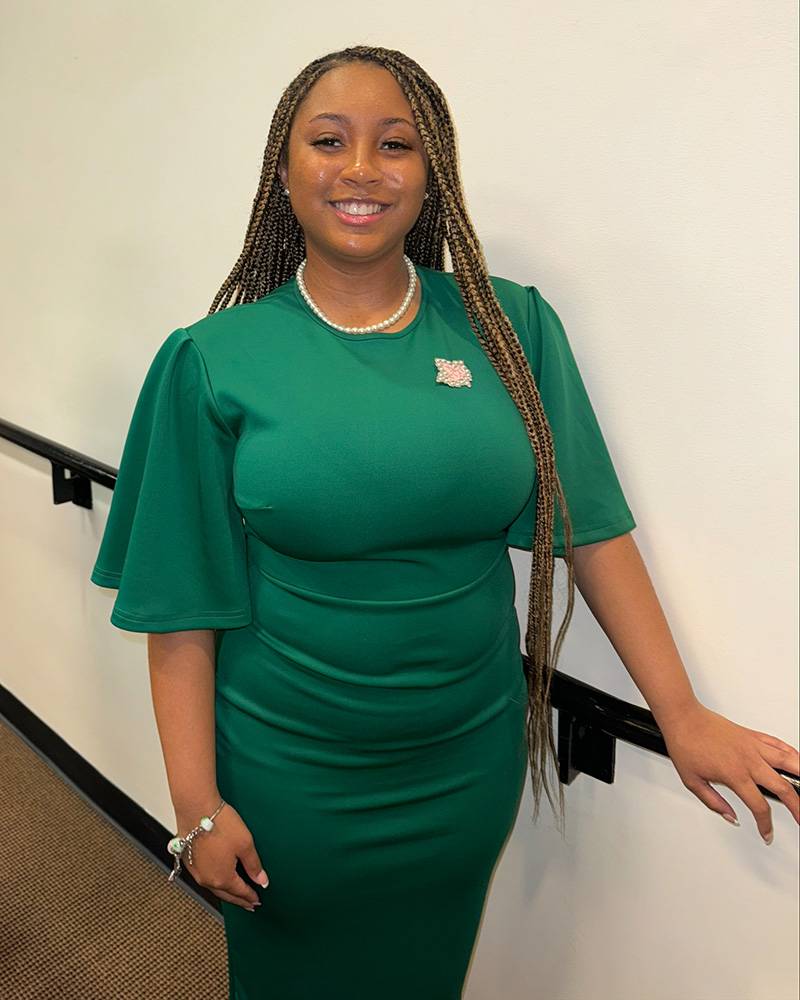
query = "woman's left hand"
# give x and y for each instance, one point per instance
(705, 746)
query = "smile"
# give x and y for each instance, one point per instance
(358, 213)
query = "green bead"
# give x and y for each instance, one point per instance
(176, 845)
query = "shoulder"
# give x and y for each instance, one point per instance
(222, 335)
(528, 303)
(530, 314)
(513, 296)
(447, 280)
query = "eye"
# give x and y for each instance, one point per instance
(327, 139)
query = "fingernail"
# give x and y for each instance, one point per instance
(731, 819)
(768, 837)
(262, 879)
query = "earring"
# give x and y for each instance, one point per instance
(286, 190)
(426, 194)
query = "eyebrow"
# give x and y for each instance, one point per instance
(343, 119)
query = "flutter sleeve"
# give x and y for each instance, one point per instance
(597, 506)
(174, 545)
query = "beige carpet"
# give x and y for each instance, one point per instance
(84, 914)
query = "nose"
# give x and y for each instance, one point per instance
(361, 167)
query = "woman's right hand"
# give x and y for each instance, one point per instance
(214, 855)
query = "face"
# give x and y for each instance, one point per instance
(342, 148)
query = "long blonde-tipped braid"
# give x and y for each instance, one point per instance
(274, 246)
(504, 350)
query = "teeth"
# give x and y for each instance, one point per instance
(358, 207)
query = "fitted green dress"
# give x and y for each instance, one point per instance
(343, 519)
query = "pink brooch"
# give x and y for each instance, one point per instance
(452, 372)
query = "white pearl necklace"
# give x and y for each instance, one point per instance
(412, 285)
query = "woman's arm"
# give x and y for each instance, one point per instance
(614, 582)
(703, 745)
(182, 666)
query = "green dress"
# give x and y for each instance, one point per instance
(343, 519)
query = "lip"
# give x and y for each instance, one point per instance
(359, 220)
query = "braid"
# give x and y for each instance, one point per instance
(273, 248)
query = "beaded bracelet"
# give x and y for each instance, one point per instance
(177, 845)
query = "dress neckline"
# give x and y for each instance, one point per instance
(378, 334)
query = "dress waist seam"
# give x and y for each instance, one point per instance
(371, 602)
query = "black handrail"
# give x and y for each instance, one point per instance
(84, 470)
(589, 721)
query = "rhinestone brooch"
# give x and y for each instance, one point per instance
(453, 373)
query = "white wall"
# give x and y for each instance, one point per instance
(635, 161)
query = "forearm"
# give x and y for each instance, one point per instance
(182, 666)
(614, 582)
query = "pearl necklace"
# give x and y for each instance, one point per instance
(412, 285)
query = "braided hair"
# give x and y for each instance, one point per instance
(274, 246)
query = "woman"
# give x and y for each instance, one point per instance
(311, 521)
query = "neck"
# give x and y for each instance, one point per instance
(366, 290)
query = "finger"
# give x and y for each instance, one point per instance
(710, 797)
(237, 886)
(236, 900)
(223, 880)
(781, 788)
(791, 763)
(218, 890)
(757, 804)
(776, 757)
(778, 744)
(252, 864)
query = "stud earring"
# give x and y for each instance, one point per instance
(426, 194)
(286, 190)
